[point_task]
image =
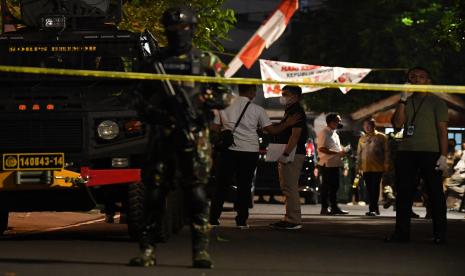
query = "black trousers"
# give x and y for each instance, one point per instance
(239, 166)
(372, 181)
(329, 186)
(409, 166)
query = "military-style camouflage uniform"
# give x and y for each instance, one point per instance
(181, 151)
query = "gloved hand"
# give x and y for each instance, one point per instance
(404, 96)
(441, 164)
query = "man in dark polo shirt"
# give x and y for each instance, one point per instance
(295, 137)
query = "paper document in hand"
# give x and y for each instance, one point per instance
(275, 151)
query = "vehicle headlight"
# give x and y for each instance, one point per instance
(108, 130)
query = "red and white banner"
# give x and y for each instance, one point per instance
(264, 37)
(287, 71)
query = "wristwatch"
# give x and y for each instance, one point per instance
(402, 102)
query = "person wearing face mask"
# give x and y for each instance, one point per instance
(295, 137)
(239, 161)
(421, 153)
(179, 153)
(330, 153)
(372, 161)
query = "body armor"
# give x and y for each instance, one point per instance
(181, 152)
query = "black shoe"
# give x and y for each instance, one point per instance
(414, 215)
(337, 211)
(370, 214)
(243, 226)
(285, 225)
(396, 238)
(388, 204)
(324, 211)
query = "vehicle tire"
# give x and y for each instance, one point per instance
(3, 220)
(135, 216)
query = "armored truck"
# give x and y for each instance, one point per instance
(70, 143)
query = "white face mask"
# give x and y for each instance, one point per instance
(283, 100)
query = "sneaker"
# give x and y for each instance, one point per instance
(243, 226)
(285, 225)
(370, 214)
(324, 211)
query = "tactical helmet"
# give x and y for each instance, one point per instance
(179, 15)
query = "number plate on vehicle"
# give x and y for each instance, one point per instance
(33, 161)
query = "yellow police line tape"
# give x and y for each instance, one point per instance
(188, 78)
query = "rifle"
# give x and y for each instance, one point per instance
(180, 97)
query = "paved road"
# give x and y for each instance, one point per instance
(342, 245)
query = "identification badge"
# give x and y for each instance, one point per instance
(410, 131)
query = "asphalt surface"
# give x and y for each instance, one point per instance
(327, 245)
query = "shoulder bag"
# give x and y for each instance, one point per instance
(226, 137)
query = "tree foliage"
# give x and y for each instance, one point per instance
(214, 21)
(381, 34)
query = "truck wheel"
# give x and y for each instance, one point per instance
(136, 197)
(3, 220)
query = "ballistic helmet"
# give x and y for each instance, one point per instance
(179, 15)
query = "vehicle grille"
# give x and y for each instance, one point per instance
(41, 135)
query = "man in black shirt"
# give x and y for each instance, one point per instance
(295, 138)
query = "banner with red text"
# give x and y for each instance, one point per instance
(287, 71)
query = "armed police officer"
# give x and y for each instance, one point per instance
(180, 153)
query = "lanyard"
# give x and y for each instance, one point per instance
(415, 111)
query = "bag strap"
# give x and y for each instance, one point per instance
(240, 117)
(221, 117)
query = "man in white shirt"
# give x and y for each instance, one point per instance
(240, 160)
(330, 153)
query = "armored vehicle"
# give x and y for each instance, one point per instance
(70, 143)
